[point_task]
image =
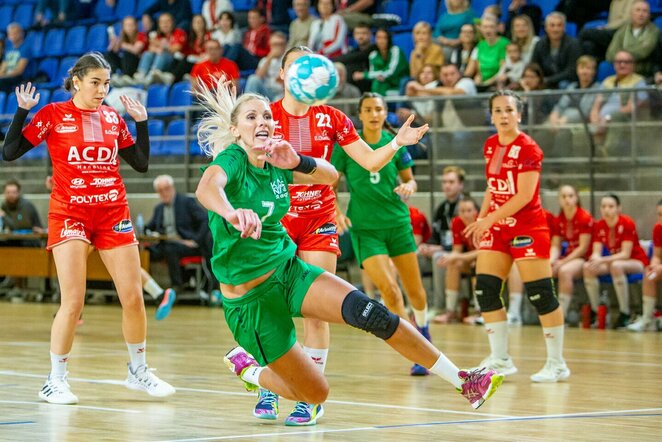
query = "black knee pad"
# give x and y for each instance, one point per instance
(542, 295)
(488, 292)
(362, 312)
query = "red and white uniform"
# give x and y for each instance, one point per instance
(83, 146)
(612, 239)
(459, 238)
(524, 234)
(570, 230)
(419, 224)
(657, 235)
(311, 219)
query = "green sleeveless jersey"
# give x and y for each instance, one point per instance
(373, 204)
(237, 260)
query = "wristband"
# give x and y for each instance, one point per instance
(307, 165)
(394, 145)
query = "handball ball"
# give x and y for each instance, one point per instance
(312, 79)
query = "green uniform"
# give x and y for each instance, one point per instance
(380, 220)
(261, 319)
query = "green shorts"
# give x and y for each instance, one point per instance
(395, 241)
(261, 320)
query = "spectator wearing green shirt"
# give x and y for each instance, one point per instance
(388, 65)
(489, 55)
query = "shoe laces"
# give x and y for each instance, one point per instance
(301, 408)
(471, 383)
(145, 376)
(59, 383)
(268, 397)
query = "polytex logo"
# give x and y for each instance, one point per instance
(95, 199)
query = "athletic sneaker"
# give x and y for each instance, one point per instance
(165, 307)
(478, 385)
(643, 324)
(239, 360)
(267, 405)
(56, 390)
(418, 370)
(216, 299)
(144, 379)
(514, 320)
(552, 372)
(623, 321)
(304, 414)
(501, 366)
(445, 318)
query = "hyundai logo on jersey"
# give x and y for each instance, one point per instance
(124, 226)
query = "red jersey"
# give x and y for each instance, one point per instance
(612, 239)
(503, 165)
(657, 235)
(570, 230)
(419, 224)
(459, 239)
(83, 146)
(256, 41)
(178, 37)
(313, 134)
(207, 72)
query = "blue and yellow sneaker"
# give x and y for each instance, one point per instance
(267, 405)
(304, 414)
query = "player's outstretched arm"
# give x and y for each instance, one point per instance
(16, 145)
(308, 170)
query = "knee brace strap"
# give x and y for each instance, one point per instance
(542, 295)
(362, 312)
(488, 292)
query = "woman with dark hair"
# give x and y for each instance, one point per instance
(462, 53)
(388, 65)
(449, 25)
(538, 107)
(164, 43)
(124, 51)
(328, 33)
(226, 33)
(84, 138)
(193, 51)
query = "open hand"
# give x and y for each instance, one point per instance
(407, 135)
(278, 153)
(134, 108)
(27, 96)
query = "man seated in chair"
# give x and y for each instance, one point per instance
(182, 221)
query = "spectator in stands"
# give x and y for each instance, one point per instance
(512, 69)
(428, 78)
(538, 106)
(212, 11)
(461, 55)
(581, 11)
(124, 51)
(181, 219)
(255, 43)
(647, 320)
(266, 79)
(425, 51)
(180, 10)
(164, 43)
(640, 37)
(523, 35)
(18, 214)
(441, 242)
(490, 54)
(193, 51)
(572, 108)
(346, 90)
(615, 251)
(213, 66)
(59, 11)
(449, 24)
(357, 59)
(146, 24)
(300, 26)
(517, 8)
(388, 65)
(357, 11)
(15, 66)
(557, 53)
(616, 107)
(595, 40)
(328, 33)
(226, 33)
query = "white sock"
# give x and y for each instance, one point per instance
(451, 300)
(622, 290)
(447, 370)
(554, 342)
(649, 306)
(59, 364)
(497, 334)
(252, 375)
(137, 353)
(565, 302)
(515, 304)
(421, 317)
(153, 288)
(593, 291)
(318, 355)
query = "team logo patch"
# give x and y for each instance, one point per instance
(521, 241)
(124, 226)
(64, 128)
(326, 229)
(72, 229)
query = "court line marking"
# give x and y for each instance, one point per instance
(17, 423)
(590, 415)
(73, 407)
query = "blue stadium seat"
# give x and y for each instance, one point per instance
(423, 10)
(605, 69)
(397, 7)
(97, 38)
(35, 41)
(155, 129)
(49, 67)
(180, 95)
(243, 5)
(11, 105)
(479, 5)
(55, 39)
(658, 21)
(594, 24)
(3, 101)
(405, 42)
(571, 29)
(6, 15)
(24, 15)
(60, 95)
(38, 152)
(124, 8)
(175, 146)
(157, 96)
(63, 71)
(104, 13)
(547, 6)
(74, 42)
(142, 5)
(196, 6)
(44, 99)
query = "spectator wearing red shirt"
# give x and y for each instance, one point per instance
(193, 51)
(616, 252)
(255, 43)
(124, 51)
(180, 10)
(213, 67)
(420, 225)
(164, 43)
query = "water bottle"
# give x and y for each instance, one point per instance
(2, 224)
(140, 225)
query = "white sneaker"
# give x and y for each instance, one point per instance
(514, 320)
(501, 366)
(552, 372)
(56, 390)
(143, 379)
(642, 324)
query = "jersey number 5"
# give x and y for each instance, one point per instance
(374, 177)
(270, 205)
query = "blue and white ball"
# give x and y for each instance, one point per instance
(312, 79)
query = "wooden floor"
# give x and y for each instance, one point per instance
(614, 393)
